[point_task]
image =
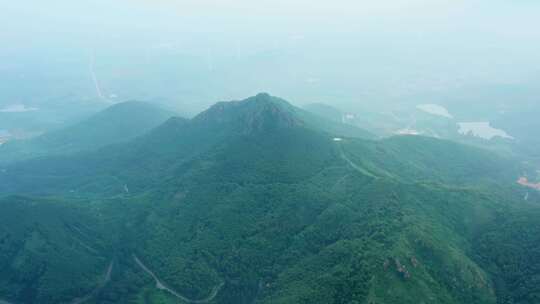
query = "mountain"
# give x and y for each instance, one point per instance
(146, 161)
(255, 201)
(118, 123)
(263, 111)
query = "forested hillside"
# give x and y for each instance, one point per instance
(51, 251)
(257, 201)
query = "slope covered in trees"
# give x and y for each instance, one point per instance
(254, 201)
(50, 251)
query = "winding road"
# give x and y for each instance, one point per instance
(161, 286)
(87, 297)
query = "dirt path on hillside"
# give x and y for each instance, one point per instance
(106, 279)
(161, 286)
(353, 164)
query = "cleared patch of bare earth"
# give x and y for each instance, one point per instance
(525, 182)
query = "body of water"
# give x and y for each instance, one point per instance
(482, 130)
(435, 109)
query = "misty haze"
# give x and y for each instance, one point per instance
(270, 152)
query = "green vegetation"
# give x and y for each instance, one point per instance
(256, 201)
(50, 251)
(118, 123)
(509, 249)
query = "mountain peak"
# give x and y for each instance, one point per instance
(263, 95)
(256, 113)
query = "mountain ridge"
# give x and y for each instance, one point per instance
(120, 122)
(274, 210)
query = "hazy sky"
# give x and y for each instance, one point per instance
(113, 18)
(328, 50)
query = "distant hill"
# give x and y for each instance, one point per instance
(118, 123)
(326, 111)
